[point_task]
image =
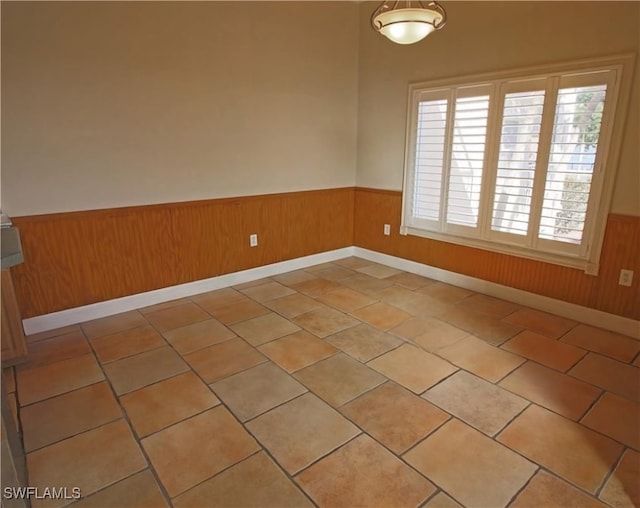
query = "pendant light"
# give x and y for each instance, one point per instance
(407, 22)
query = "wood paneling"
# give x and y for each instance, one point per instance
(78, 258)
(621, 249)
(74, 259)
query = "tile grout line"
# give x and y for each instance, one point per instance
(610, 473)
(242, 424)
(134, 434)
(337, 409)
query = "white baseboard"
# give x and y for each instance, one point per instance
(585, 315)
(102, 309)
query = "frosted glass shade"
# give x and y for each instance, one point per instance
(406, 26)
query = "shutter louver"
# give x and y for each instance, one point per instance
(429, 159)
(520, 134)
(574, 144)
(467, 160)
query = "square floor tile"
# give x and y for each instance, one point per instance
(489, 328)
(325, 321)
(334, 272)
(339, 379)
(257, 390)
(66, 415)
(363, 473)
(162, 404)
(541, 349)
(394, 416)
(561, 393)
(441, 500)
(617, 418)
(488, 305)
(365, 283)
(316, 287)
(239, 311)
(127, 343)
(410, 280)
(438, 335)
(479, 403)
(268, 291)
(616, 346)
(363, 342)
(265, 328)
(176, 316)
(297, 350)
(143, 369)
(62, 347)
(163, 305)
(295, 277)
(346, 299)
(570, 450)
(540, 322)
(412, 368)
(49, 334)
(483, 360)
(446, 293)
(378, 271)
(255, 481)
(222, 360)
(219, 298)
(397, 296)
(609, 374)
(112, 324)
(414, 326)
(622, 488)
(381, 315)
(90, 461)
(320, 266)
(471, 467)
(61, 377)
(423, 306)
(252, 283)
(198, 336)
(293, 305)
(193, 450)
(547, 490)
(314, 427)
(140, 490)
(353, 262)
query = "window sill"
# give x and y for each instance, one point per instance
(585, 265)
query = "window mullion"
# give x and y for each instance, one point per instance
(542, 159)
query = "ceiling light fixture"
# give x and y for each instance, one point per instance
(407, 22)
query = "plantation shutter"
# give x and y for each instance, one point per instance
(516, 160)
(467, 157)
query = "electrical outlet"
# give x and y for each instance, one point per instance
(253, 240)
(626, 277)
(387, 229)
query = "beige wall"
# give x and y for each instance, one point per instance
(107, 104)
(482, 37)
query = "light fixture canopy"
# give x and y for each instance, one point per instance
(407, 22)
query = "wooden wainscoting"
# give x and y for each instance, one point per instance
(373, 208)
(78, 258)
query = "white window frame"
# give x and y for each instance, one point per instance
(587, 256)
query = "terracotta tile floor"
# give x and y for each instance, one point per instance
(344, 384)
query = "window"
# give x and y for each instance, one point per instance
(518, 162)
